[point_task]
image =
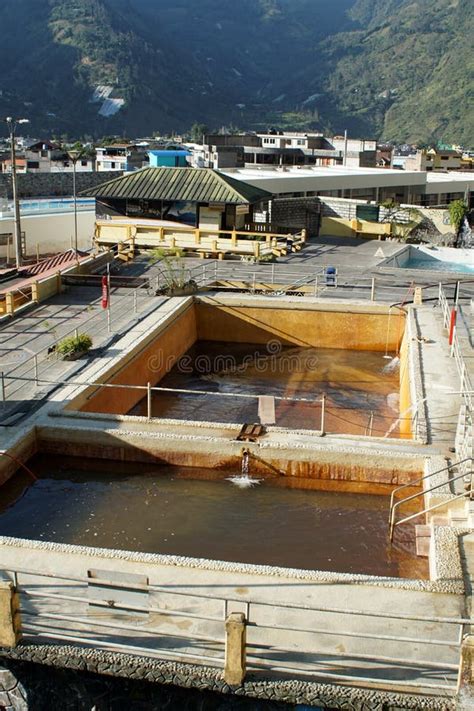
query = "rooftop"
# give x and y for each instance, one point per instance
(187, 184)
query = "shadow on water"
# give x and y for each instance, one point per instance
(354, 383)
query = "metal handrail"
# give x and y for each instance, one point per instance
(33, 362)
(149, 389)
(42, 624)
(465, 494)
(397, 504)
(423, 478)
(172, 590)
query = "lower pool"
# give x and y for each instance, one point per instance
(200, 513)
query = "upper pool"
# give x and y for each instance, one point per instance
(441, 259)
(437, 265)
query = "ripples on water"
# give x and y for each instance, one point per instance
(190, 512)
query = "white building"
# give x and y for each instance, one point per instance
(373, 184)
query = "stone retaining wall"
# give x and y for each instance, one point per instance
(36, 185)
(205, 678)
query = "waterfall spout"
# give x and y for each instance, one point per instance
(244, 481)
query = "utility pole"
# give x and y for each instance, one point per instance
(74, 155)
(12, 124)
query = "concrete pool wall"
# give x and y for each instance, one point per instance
(94, 423)
(450, 257)
(236, 319)
(269, 597)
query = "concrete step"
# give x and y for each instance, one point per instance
(422, 540)
(440, 520)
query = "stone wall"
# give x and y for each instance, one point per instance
(302, 213)
(346, 209)
(36, 185)
(37, 668)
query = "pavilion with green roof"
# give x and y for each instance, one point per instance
(197, 197)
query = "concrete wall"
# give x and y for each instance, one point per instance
(51, 233)
(323, 326)
(147, 364)
(405, 391)
(336, 227)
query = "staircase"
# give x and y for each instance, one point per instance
(461, 518)
(126, 252)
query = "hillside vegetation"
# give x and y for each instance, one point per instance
(397, 69)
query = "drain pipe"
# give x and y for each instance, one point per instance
(250, 454)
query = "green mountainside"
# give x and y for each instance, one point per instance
(396, 69)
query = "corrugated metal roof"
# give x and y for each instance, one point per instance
(57, 261)
(189, 184)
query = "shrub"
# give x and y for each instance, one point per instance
(74, 344)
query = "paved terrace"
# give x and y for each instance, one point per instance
(36, 330)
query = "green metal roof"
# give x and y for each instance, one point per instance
(189, 184)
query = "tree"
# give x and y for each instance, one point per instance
(457, 211)
(198, 131)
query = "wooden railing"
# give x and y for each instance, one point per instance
(206, 242)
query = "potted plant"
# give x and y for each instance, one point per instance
(176, 277)
(74, 347)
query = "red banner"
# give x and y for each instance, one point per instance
(105, 292)
(452, 324)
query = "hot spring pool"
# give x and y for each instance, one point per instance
(199, 513)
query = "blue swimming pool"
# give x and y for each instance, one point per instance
(437, 265)
(49, 204)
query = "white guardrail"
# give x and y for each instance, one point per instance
(124, 612)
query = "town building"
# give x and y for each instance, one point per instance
(169, 158)
(279, 148)
(191, 196)
(433, 159)
(46, 157)
(372, 184)
(121, 157)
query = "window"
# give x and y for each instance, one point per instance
(33, 164)
(84, 163)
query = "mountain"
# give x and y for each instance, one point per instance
(397, 69)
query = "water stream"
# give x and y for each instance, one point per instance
(244, 481)
(465, 238)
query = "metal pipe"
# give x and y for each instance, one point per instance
(148, 402)
(12, 125)
(97, 622)
(284, 605)
(120, 647)
(325, 675)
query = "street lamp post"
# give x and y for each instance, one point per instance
(74, 155)
(12, 124)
